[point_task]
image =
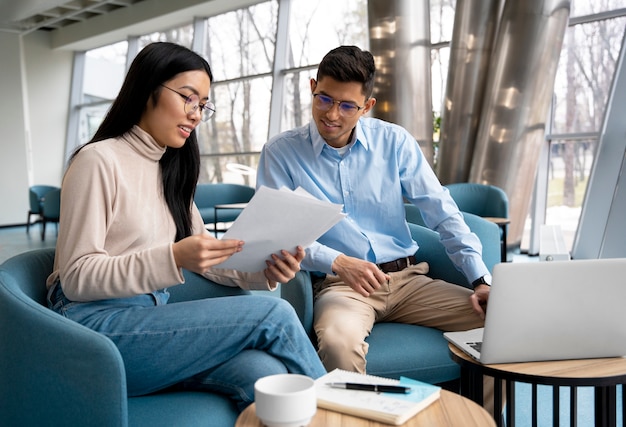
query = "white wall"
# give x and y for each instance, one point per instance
(49, 76)
(33, 115)
(13, 133)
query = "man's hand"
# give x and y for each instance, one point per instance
(479, 299)
(362, 276)
(200, 252)
(284, 269)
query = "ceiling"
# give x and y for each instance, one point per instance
(88, 24)
(24, 16)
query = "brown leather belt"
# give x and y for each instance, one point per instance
(397, 265)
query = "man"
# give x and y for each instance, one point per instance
(370, 167)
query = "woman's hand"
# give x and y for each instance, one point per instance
(200, 252)
(283, 269)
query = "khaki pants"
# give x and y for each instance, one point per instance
(343, 318)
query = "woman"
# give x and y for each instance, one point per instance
(129, 225)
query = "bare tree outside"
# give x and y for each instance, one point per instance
(179, 35)
(583, 83)
(313, 32)
(241, 48)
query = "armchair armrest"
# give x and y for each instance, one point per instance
(199, 287)
(55, 371)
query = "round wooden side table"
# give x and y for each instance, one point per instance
(603, 374)
(450, 409)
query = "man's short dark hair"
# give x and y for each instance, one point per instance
(349, 64)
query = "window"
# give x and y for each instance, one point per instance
(314, 32)
(583, 81)
(104, 72)
(241, 47)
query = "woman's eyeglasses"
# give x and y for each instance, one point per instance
(192, 103)
(325, 103)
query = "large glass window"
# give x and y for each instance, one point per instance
(314, 32)
(297, 92)
(179, 35)
(441, 27)
(233, 138)
(584, 77)
(241, 43)
(240, 48)
(585, 72)
(441, 20)
(103, 76)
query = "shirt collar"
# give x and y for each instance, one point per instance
(319, 143)
(142, 142)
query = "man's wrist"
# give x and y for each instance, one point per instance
(483, 280)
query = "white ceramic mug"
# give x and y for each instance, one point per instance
(285, 400)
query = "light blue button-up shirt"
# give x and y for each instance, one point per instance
(382, 166)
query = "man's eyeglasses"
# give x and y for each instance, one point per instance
(192, 103)
(325, 103)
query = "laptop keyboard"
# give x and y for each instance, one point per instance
(476, 345)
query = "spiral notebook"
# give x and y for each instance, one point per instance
(390, 408)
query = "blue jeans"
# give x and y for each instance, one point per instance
(216, 344)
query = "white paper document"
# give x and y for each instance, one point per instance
(275, 220)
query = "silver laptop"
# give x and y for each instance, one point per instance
(551, 310)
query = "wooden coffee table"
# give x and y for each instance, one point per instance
(450, 409)
(602, 374)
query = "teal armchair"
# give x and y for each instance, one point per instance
(50, 210)
(396, 349)
(56, 372)
(209, 195)
(36, 196)
(487, 201)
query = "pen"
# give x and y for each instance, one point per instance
(372, 387)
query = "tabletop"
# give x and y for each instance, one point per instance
(450, 409)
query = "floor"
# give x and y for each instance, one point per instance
(15, 240)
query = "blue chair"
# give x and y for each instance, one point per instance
(484, 200)
(36, 195)
(480, 199)
(50, 210)
(486, 231)
(56, 372)
(396, 349)
(207, 196)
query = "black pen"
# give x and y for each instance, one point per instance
(372, 387)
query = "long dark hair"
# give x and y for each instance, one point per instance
(180, 167)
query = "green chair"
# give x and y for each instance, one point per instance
(487, 201)
(50, 210)
(36, 195)
(208, 196)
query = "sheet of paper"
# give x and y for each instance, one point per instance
(275, 220)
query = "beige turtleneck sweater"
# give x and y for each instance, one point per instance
(116, 232)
